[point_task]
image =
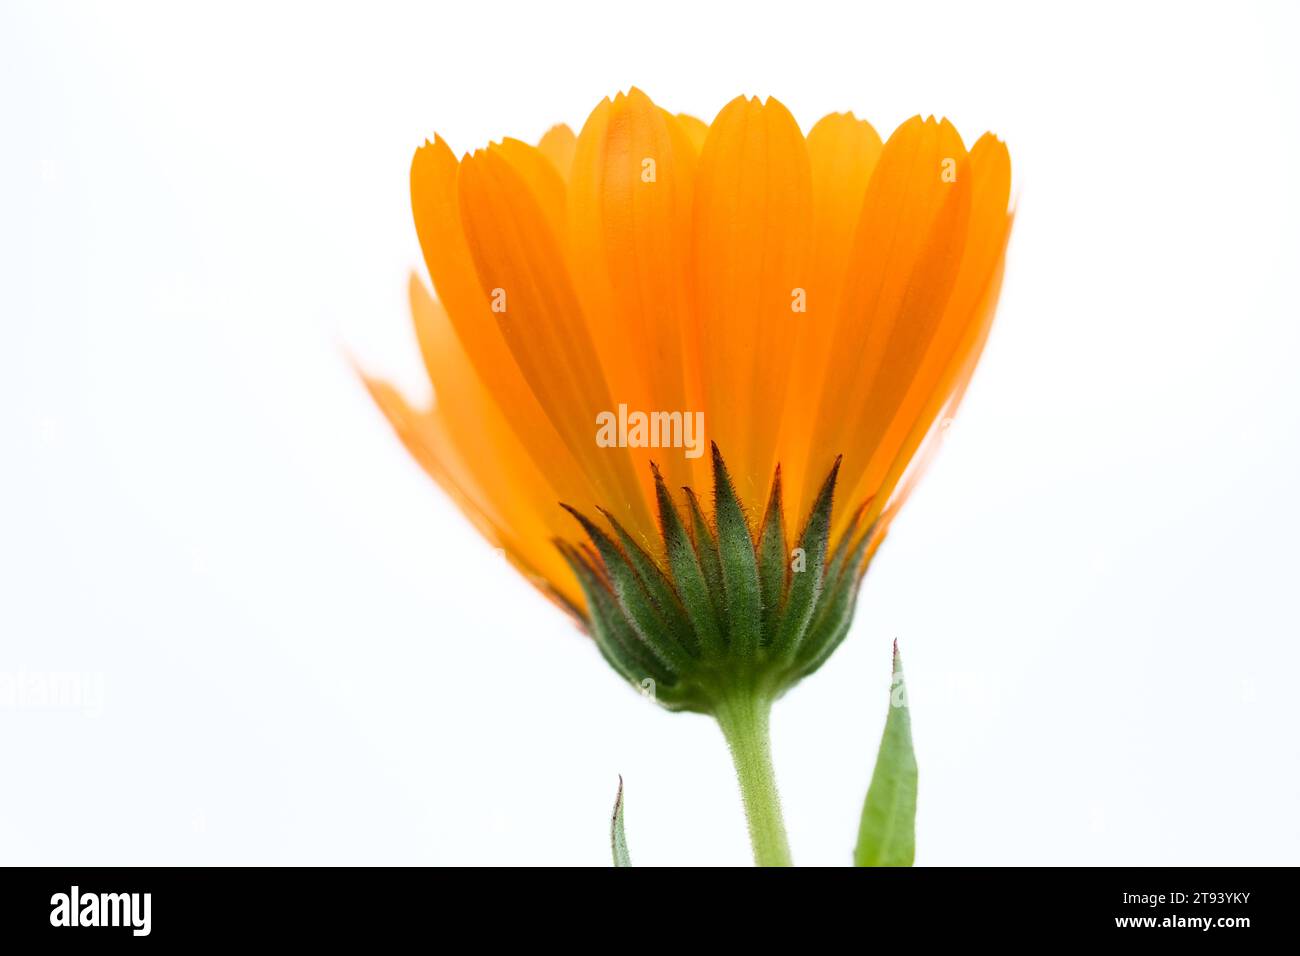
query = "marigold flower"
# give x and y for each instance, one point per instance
(811, 307)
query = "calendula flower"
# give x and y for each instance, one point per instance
(657, 308)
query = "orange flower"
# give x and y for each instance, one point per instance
(804, 298)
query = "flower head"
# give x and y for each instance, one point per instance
(627, 319)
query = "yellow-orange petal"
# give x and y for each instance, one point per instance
(696, 130)
(557, 145)
(542, 181)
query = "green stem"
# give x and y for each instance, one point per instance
(743, 718)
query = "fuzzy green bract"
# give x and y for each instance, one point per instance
(722, 607)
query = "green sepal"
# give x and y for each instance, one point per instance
(706, 549)
(617, 838)
(618, 642)
(887, 832)
(632, 596)
(739, 564)
(771, 561)
(692, 585)
(658, 587)
(806, 585)
(830, 623)
(718, 609)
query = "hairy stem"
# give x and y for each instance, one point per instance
(743, 718)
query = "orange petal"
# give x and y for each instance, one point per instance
(470, 430)
(901, 270)
(428, 443)
(942, 402)
(630, 219)
(843, 151)
(517, 492)
(952, 345)
(752, 233)
(436, 207)
(521, 265)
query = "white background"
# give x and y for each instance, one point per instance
(293, 649)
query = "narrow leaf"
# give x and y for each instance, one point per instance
(887, 834)
(617, 839)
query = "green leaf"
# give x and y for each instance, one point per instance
(617, 839)
(887, 834)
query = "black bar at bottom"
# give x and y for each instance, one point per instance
(378, 906)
